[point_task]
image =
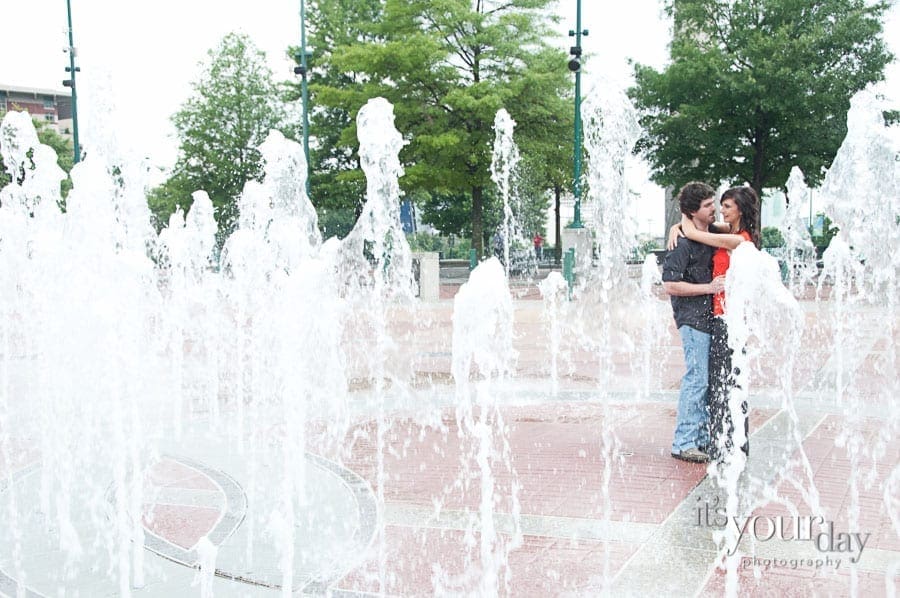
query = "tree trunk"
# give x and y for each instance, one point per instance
(557, 190)
(477, 227)
(757, 186)
(477, 191)
(672, 210)
(759, 158)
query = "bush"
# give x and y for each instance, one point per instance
(424, 242)
(771, 237)
(449, 247)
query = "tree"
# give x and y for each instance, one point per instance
(757, 86)
(235, 104)
(61, 145)
(163, 200)
(337, 186)
(770, 236)
(448, 66)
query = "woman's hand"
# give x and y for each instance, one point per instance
(717, 285)
(674, 233)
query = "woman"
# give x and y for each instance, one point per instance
(740, 211)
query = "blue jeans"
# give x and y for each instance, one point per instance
(692, 420)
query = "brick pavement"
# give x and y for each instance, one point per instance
(608, 415)
(647, 487)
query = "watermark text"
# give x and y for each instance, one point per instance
(796, 528)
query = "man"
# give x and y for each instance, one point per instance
(687, 277)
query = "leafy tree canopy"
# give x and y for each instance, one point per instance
(61, 145)
(234, 105)
(755, 87)
(337, 187)
(447, 66)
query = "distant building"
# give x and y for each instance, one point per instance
(54, 107)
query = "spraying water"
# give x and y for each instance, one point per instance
(764, 318)
(482, 347)
(863, 268)
(611, 130)
(504, 165)
(799, 254)
(756, 326)
(144, 377)
(182, 355)
(554, 292)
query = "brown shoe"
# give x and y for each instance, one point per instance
(692, 455)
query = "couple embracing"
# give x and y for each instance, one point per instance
(694, 276)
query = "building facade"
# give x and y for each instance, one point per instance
(54, 107)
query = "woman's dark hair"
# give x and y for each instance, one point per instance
(748, 203)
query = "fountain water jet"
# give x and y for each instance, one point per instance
(554, 292)
(611, 130)
(482, 346)
(799, 254)
(504, 161)
(154, 376)
(864, 269)
(763, 318)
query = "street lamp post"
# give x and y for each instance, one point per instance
(70, 82)
(575, 67)
(304, 91)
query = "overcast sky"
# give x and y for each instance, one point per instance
(148, 52)
(144, 55)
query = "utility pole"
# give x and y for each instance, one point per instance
(70, 82)
(575, 67)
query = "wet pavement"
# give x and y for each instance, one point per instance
(584, 496)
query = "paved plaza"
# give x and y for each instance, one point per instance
(586, 498)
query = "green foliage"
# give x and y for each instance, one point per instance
(822, 238)
(61, 145)
(336, 222)
(640, 252)
(771, 237)
(449, 246)
(757, 86)
(64, 149)
(337, 186)
(233, 107)
(532, 213)
(447, 66)
(450, 213)
(163, 200)
(425, 242)
(648, 246)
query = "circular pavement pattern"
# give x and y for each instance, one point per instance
(187, 501)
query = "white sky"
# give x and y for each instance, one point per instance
(146, 54)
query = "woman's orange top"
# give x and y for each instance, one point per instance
(720, 262)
